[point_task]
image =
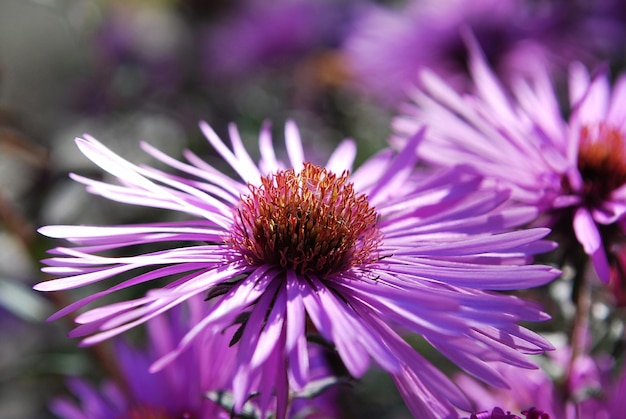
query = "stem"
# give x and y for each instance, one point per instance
(580, 328)
(581, 320)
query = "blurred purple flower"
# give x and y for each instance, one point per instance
(573, 167)
(533, 388)
(193, 386)
(177, 391)
(613, 401)
(258, 34)
(138, 53)
(388, 47)
(301, 248)
(589, 391)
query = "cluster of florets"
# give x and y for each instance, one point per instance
(311, 222)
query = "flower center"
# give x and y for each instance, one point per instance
(310, 221)
(601, 161)
(147, 412)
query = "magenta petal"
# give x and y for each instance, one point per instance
(405, 159)
(248, 345)
(588, 235)
(601, 265)
(299, 372)
(295, 311)
(333, 322)
(81, 280)
(223, 312)
(273, 328)
(342, 158)
(294, 145)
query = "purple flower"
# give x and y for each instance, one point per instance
(388, 47)
(258, 34)
(195, 385)
(138, 53)
(176, 391)
(596, 387)
(296, 249)
(588, 392)
(568, 167)
(533, 388)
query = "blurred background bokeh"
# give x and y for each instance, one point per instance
(149, 70)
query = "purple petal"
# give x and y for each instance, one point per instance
(294, 146)
(588, 235)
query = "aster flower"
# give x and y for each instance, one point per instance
(389, 46)
(533, 388)
(612, 400)
(589, 391)
(570, 168)
(297, 248)
(258, 34)
(175, 392)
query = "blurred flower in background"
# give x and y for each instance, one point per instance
(176, 392)
(194, 385)
(573, 169)
(391, 44)
(592, 390)
(139, 55)
(257, 35)
(564, 156)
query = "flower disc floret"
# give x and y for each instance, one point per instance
(601, 161)
(146, 412)
(309, 221)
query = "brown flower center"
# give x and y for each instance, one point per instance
(148, 412)
(311, 221)
(601, 161)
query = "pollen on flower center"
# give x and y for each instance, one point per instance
(310, 221)
(601, 161)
